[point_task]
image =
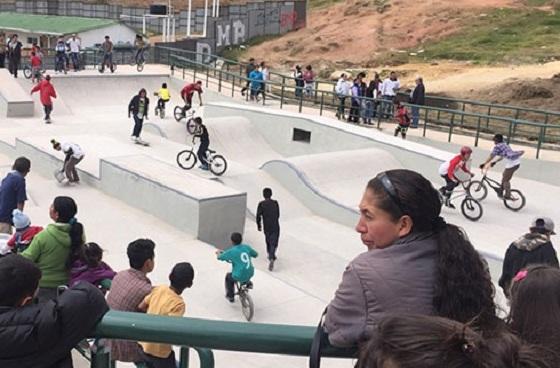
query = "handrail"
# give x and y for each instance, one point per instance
(212, 334)
(516, 109)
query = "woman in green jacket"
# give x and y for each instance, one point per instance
(57, 247)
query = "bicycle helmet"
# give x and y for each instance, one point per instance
(465, 150)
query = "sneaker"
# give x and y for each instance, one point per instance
(157, 111)
(230, 299)
(133, 138)
(204, 167)
(271, 265)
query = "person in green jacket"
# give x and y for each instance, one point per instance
(55, 248)
(239, 255)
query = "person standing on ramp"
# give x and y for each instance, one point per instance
(138, 107)
(268, 212)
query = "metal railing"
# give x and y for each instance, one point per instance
(494, 114)
(437, 119)
(205, 335)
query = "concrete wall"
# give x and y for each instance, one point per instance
(277, 129)
(212, 218)
(118, 33)
(14, 100)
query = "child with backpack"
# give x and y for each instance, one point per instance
(24, 232)
(403, 119)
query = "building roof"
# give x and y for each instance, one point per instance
(50, 24)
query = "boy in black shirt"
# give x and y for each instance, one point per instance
(269, 211)
(202, 134)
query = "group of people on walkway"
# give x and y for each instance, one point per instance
(257, 76)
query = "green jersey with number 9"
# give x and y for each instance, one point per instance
(240, 258)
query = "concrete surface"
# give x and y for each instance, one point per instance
(14, 100)
(314, 250)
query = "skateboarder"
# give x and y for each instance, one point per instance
(73, 154)
(139, 107)
(46, 91)
(269, 212)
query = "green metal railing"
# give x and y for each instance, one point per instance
(205, 335)
(492, 120)
(443, 119)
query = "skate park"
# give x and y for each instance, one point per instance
(318, 184)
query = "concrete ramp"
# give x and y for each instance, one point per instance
(240, 141)
(331, 184)
(15, 101)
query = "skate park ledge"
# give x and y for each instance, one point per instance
(14, 100)
(207, 209)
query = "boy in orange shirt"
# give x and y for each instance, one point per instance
(166, 301)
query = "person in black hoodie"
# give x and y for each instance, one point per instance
(14, 55)
(268, 212)
(138, 107)
(418, 97)
(534, 247)
(42, 335)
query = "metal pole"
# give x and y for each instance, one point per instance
(189, 19)
(477, 133)
(220, 82)
(217, 8)
(539, 143)
(321, 107)
(144, 25)
(205, 18)
(451, 127)
(184, 357)
(425, 122)
(282, 92)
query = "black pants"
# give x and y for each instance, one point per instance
(161, 103)
(341, 105)
(155, 362)
(14, 66)
(137, 126)
(271, 238)
(48, 109)
(230, 285)
(401, 129)
(2, 60)
(449, 186)
(354, 115)
(201, 153)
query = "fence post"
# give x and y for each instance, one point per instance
(100, 359)
(220, 81)
(207, 75)
(451, 127)
(545, 123)
(183, 72)
(184, 357)
(232, 85)
(321, 107)
(510, 131)
(477, 135)
(300, 100)
(282, 92)
(463, 115)
(488, 118)
(425, 122)
(539, 143)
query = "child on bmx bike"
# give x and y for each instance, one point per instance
(454, 172)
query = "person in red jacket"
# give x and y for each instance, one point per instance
(47, 92)
(36, 65)
(25, 232)
(455, 171)
(403, 119)
(187, 94)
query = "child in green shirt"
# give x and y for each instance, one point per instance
(239, 255)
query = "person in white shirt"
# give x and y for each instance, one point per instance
(342, 90)
(266, 78)
(389, 91)
(74, 44)
(73, 155)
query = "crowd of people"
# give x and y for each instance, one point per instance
(257, 76)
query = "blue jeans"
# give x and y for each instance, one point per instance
(415, 116)
(75, 60)
(387, 106)
(369, 111)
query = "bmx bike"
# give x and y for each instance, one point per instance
(181, 112)
(470, 207)
(159, 110)
(140, 61)
(247, 306)
(28, 72)
(478, 189)
(187, 159)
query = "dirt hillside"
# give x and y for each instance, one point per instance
(355, 31)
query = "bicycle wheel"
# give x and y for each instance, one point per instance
(218, 166)
(186, 159)
(471, 209)
(478, 190)
(191, 126)
(27, 71)
(517, 202)
(178, 113)
(247, 306)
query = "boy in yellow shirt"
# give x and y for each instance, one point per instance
(166, 301)
(164, 96)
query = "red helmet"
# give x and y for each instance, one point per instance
(465, 150)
